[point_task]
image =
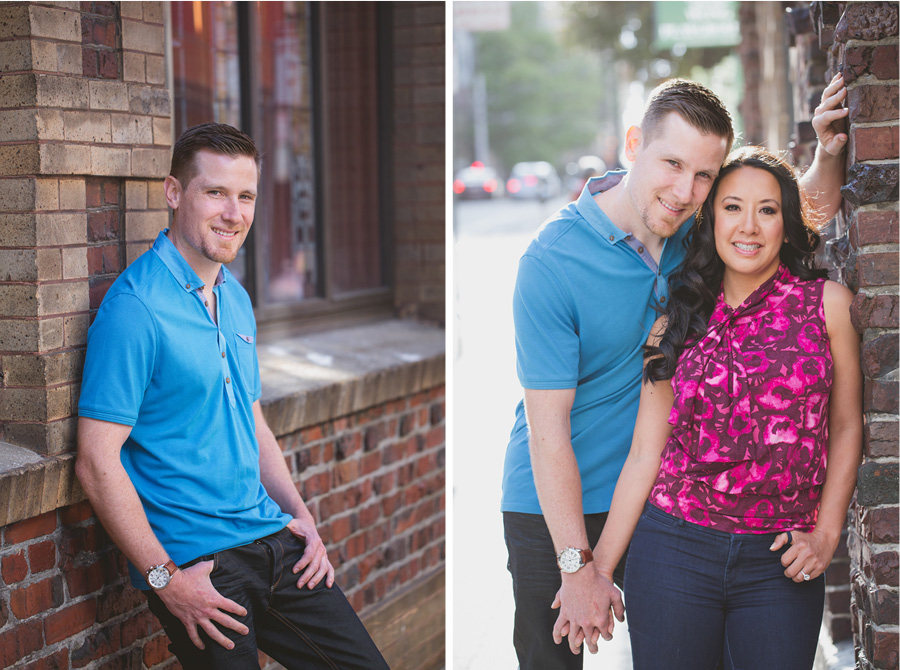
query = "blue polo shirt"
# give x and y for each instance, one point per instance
(583, 308)
(158, 362)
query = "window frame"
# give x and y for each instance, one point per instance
(327, 308)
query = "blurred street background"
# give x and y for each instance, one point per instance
(490, 238)
(542, 93)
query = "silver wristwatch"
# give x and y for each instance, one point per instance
(158, 576)
(572, 560)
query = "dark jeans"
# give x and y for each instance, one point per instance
(694, 593)
(299, 628)
(536, 579)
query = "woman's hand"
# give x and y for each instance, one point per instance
(808, 556)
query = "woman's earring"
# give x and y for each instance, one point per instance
(698, 218)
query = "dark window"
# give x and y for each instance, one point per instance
(307, 81)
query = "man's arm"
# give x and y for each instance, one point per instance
(823, 180)
(189, 595)
(585, 596)
(276, 478)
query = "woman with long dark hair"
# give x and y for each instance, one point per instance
(748, 438)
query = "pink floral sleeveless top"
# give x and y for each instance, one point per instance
(750, 420)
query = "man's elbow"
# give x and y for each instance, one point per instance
(84, 470)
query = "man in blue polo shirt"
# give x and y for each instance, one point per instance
(586, 296)
(175, 454)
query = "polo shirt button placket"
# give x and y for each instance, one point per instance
(226, 372)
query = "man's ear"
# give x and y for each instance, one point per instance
(173, 191)
(633, 140)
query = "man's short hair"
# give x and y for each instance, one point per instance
(219, 138)
(694, 103)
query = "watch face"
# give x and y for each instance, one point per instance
(570, 560)
(158, 577)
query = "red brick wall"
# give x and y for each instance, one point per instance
(860, 39)
(374, 480)
(375, 483)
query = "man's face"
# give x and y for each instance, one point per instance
(672, 173)
(214, 211)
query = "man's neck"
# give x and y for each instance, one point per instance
(618, 206)
(206, 269)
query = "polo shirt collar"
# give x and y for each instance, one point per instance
(590, 210)
(184, 274)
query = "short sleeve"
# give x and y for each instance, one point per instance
(547, 341)
(119, 361)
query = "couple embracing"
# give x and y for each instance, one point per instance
(693, 398)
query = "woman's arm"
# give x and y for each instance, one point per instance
(811, 553)
(651, 432)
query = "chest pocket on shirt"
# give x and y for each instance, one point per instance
(244, 349)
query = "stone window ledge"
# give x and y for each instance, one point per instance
(307, 379)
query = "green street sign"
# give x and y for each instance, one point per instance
(696, 24)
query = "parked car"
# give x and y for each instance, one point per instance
(478, 181)
(533, 180)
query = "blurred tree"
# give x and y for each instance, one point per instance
(626, 30)
(543, 100)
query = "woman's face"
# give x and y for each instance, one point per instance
(749, 227)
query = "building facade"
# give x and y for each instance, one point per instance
(345, 267)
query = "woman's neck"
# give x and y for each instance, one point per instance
(736, 288)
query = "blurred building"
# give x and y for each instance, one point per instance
(788, 59)
(345, 266)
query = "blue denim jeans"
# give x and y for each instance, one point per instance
(693, 594)
(299, 628)
(536, 579)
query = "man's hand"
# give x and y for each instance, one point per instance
(192, 598)
(584, 603)
(829, 119)
(314, 563)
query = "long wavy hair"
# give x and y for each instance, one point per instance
(696, 285)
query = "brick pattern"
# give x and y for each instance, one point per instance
(105, 228)
(64, 229)
(373, 479)
(420, 187)
(375, 482)
(43, 309)
(860, 38)
(65, 601)
(101, 53)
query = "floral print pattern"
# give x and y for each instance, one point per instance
(750, 420)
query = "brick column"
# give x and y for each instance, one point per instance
(865, 49)
(811, 74)
(84, 145)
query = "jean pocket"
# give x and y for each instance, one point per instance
(653, 514)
